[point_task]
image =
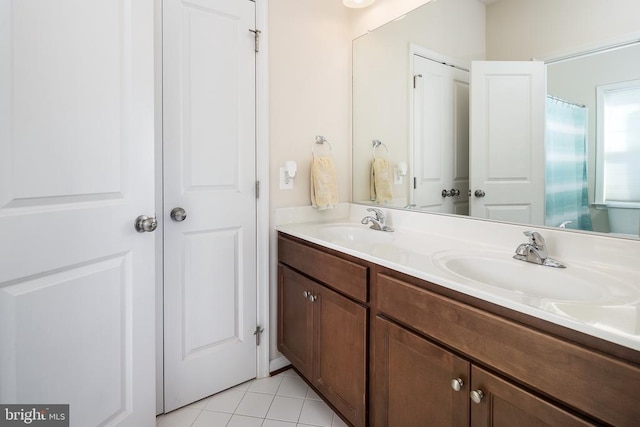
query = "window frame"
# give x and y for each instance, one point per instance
(601, 92)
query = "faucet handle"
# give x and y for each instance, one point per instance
(378, 212)
(535, 238)
(537, 241)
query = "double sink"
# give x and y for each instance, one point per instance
(592, 294)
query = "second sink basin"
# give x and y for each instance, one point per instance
(575, 283)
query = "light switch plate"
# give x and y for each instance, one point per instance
(283, 181)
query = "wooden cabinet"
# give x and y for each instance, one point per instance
(526, 377)
(503, 404)
(419, 383)
(323, 332)
(295, 319)
(412, 380)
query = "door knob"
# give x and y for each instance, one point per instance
(178, 214)
(477, 396)
(450, 193)
(146, 223)
(479, 193)
(457, 384)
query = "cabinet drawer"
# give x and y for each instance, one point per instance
(591, 382)
(345, 276)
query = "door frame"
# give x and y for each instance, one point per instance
(262, 202)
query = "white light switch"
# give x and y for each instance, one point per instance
(284, 185)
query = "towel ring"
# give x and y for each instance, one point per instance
(320, 140)
(377, 143)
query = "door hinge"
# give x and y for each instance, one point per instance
(414, 80)
(257, 189)
(415, 183)
(256, 34)
(257, 333)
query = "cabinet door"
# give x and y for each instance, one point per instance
(340, 353)
(295, 319)
(505, 405)
(412, 381)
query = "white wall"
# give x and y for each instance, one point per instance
(525, 29)
(309, 95)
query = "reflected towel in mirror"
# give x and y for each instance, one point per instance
(380, 184)
(324, 184)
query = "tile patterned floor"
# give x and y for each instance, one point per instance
(283, 400)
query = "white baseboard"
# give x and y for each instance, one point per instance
(278, 363)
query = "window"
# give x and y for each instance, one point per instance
(618, 144)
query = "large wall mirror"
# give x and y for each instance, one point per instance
(450, 118)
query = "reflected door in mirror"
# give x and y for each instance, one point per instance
(507, 141)
(440, 137)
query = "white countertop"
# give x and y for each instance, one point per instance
(420, 243)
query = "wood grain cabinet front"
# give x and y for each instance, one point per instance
(419, 383)
(518, 375)
(323, 333)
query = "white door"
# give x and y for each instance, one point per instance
(209, 171)
(76, 168)
(507, 141)
(440, 136)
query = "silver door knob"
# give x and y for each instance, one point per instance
(477, 396)
(178, 214)
(146, 224)
(479, 193)
(457, 384)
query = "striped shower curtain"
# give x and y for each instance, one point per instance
(566, 196)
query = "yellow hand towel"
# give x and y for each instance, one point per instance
(324, 184)
(380, 184)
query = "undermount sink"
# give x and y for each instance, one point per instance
(577, 284)
(354, 234)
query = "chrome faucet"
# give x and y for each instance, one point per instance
(536, 251)
(377, 223)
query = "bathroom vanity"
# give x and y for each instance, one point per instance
(388, 339)
(323, 322)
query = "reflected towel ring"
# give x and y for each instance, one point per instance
(377, 143)
(320, 140)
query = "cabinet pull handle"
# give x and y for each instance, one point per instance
(476, 396)
(456, 384)
(308, 295)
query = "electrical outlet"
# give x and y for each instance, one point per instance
(284, 185)
(397, 179)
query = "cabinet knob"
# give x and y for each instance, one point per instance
(457, 384)
(312, 298)
(476, 396)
